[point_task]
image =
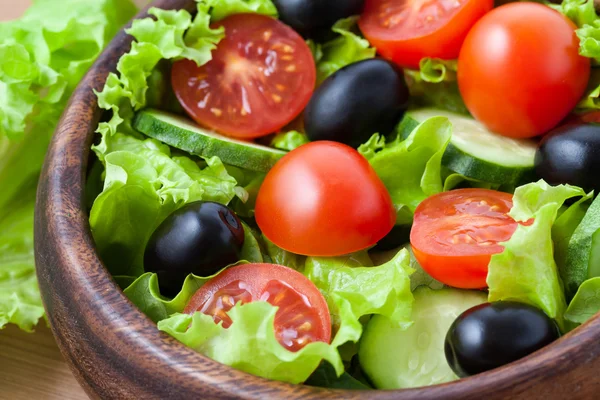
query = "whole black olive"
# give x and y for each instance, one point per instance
(571, 154)
(357, 101)
(314, 18)
(199, 238)
(494, 334)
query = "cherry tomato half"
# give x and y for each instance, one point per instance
(261, 77)
(405, 31)
(324, 199)
(519, 70)
(455, 234)
(302, 317)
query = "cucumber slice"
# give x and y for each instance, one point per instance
(396, 358)
(183, 134)
(478, 153)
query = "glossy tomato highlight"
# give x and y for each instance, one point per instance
(302, 317)
(455, 234)
(260, 78)
(406, 31)
(324, 199)
(519, 70)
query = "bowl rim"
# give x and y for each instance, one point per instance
(66, 258)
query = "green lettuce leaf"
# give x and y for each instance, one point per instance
(526, 271)
(347, 48)
(411, 169)
(354, 288)
(223, 8)
(277, 255)
(583, 252)
(289, 140)
(584, 15)
(43, 56)
(435, 85)
(249, 344)
(586, 302)
(20, 301)
(144, 184)
(325, 376)
(567, 222)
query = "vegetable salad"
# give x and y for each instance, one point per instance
(355, 194)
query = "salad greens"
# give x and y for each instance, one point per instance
(526, 271)
(43, 56)
(586, 302)
(420, 159)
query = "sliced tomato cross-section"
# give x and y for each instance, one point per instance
(260, 78)
(302, 317)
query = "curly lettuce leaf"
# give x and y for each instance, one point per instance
(144, 184)
(435, 85)
(584, 15)
(526, 270)
(43, 56)
(249, 344)
(347, 48)
(223, 8)
(20, 301)
(354, 288)
(562, 231)
(586, 302)
(411, 169)
(583, 252)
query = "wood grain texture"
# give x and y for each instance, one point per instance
(117, 353)
(31, 367)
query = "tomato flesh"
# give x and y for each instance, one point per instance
(455, 234)
(406, 31)
(302, 316)
(324, 199)
(260, 78)
(519, 70)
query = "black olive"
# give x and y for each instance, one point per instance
(314, 18)
(200, 238)
(357, 101)
(398, 236)
(494, 334)
(571, 154)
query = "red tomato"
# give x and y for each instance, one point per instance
(261, 77)
(324, 199)
(405, 31)
(302, 317)
(455, 234)
(519, 70)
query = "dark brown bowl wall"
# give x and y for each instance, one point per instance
(116, 352)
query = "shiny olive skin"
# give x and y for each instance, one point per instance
(494, 334)
(199, 238)
(314, 18)
(357, 101)
(571, 154)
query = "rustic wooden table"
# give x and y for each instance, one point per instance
(31, 366)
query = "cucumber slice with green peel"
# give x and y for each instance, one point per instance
(396, 358)
(185, 135)
(477, 153)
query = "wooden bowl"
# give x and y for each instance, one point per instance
(116, 352)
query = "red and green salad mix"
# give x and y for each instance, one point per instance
(351, 193)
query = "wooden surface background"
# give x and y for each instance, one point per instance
(31, 366)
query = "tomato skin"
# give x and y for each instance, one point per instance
(261, 76)
(519, 70)
(455, 234)
(324, 199)
(257, 281)
(407, 44)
